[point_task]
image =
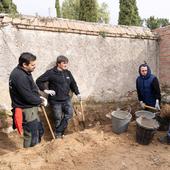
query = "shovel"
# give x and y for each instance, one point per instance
(52, 133)
(150, 107)
(80, 114)
(82, 111)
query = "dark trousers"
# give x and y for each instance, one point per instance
(32, 126)
(62, 112)
(169, 131)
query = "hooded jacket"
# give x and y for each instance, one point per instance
(59, 81)
(148, 89)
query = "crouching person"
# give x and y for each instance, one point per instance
(25, 99)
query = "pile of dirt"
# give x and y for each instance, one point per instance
(97, 148)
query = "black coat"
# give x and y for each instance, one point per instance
(23, 90)
(59, 81)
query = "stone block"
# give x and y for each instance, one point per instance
(6, 19)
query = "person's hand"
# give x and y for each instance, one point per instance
(50, 92)
(44, 101)
(157, 104)
(142, 104)
(79, 97)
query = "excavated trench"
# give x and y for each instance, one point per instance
(96, 147)
(95, 115)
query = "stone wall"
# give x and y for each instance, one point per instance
(104, 59)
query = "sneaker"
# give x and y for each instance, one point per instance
(164, 140)
(163, 128)
(58, 136)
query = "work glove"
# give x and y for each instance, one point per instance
(157, 104)
(142, 104)
(50, 92)
(79, 97)
(44, 101)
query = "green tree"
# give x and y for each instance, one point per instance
(57, 6)
(154, 23)
(164, 22)
(103, 12)
(70, 9)
(88, 10)
(7, 6)
(128, 14)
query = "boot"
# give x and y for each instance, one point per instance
(163, 123)
(164, 140)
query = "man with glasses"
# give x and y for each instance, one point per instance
(26, 100)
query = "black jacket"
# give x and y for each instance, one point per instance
(59, 81)
(23, 90)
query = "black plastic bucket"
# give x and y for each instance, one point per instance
(144, 136)
(145, 130)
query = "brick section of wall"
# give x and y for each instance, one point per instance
(165, 70)
(164, 53)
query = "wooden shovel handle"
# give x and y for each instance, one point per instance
(45, 114)
(150, 107)
(82, 110)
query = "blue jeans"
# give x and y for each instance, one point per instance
(62, 112)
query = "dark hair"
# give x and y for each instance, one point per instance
(26, 58)
(148, 68)
(61, 58)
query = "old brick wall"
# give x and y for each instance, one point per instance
(164, 54)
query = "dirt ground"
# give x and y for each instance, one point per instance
(96, 148)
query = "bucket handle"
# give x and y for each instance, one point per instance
(127, 115)
(129, 108)
(129, 111)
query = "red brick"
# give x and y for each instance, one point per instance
(163, 45)
(165, 50)
(162, 58)
(165, 38)
(164, 54)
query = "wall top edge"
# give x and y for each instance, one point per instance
(60, 24)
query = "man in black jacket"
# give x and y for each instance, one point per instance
(24, 95)
(60, 82)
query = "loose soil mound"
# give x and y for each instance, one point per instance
(97, 148)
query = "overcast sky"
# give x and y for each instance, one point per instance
(147, 8)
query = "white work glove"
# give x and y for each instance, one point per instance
(50, 92)
(157, 104)
(142, 104)
(79, 97)
(44, 101)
